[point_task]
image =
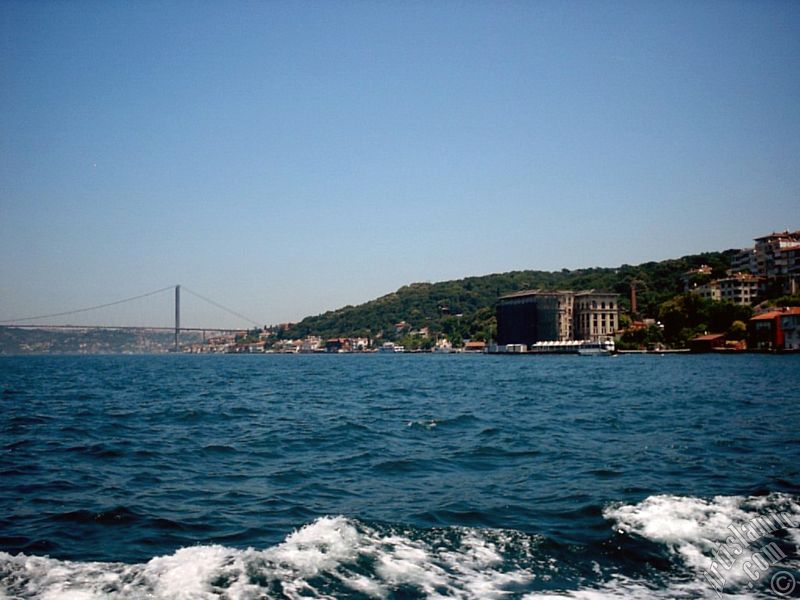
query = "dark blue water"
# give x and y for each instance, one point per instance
(391, 476)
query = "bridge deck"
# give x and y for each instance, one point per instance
(120, 328)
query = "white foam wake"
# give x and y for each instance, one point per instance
(699, 531)
(330, 554)
(336, 557)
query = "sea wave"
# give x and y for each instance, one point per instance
(340, 557)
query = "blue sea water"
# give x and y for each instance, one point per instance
(395, 476)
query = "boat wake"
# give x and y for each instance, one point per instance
(661, 547)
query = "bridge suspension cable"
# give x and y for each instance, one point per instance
(220, 306)
(81, 310)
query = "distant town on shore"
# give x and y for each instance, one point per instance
(727, 301)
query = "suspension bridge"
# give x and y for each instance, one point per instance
(30, 321)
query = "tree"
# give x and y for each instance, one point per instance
(680, 316)
(737, 331)
(722, 314)
(689, 315)
(641, 338)
(435, 304)
(788, 300)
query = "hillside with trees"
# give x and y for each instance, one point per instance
(464, 308)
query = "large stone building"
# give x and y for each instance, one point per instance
(540, 316)
(596, 315)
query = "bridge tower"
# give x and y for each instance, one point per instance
(177, 315)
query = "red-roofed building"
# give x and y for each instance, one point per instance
(337, 345)
(707, 343)
(776, 330)
(474, 346)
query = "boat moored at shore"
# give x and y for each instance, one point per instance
(580, 347)
(390, 347)
(598, 348)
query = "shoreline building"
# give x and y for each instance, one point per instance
(530, 316)
(596, 315)
(777, 330)
(534, 316)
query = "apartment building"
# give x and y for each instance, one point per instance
(775, 253)
(741, 288)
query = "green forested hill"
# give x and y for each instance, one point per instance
(465, 307)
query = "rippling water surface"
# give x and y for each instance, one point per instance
(375, 476)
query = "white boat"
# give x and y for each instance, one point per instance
(392, 347)
(443, 346)
(599, 348)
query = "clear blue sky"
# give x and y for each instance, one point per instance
(286, 158)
